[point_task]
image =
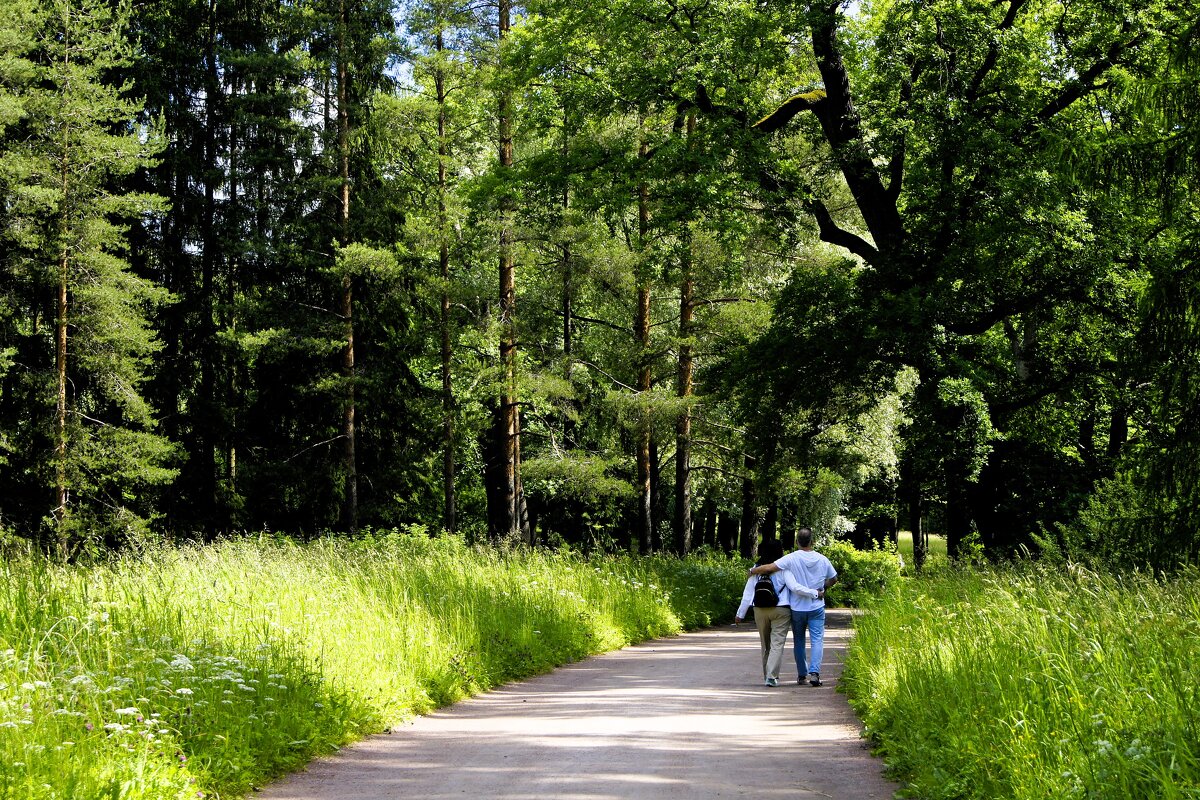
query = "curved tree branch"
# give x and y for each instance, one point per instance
(797, 103)
(831, 233)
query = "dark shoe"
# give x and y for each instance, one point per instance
(814, 679)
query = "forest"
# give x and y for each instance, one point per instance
(626, 275)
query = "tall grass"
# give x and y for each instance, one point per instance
(205, 671)
(1034, 683)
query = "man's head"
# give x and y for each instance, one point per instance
(804, 538)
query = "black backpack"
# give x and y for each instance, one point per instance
(765, 595)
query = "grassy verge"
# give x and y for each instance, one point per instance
(203, 672)
(1033, 684)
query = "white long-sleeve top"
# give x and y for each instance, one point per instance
(785, 584)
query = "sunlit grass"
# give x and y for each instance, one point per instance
(1034, 683)
(204, 671)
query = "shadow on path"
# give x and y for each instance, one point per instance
(685, 717)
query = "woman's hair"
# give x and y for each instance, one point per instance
(770, 550)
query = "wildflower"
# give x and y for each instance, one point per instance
(126, 712)
(115, 727)
(183, 690)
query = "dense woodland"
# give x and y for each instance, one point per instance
(640, 274)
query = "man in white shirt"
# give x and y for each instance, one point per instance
(812, 570)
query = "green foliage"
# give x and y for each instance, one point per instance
(1033, 682)
(864, 576)
(209, 670)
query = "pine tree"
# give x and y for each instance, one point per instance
(79, 142)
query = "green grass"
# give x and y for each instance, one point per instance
(1034, 683)
(205, 671)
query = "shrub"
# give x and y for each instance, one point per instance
(862, 574)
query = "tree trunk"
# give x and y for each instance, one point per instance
(60, 369)
(349, 460)
(787, 528)
(959, 522)
(204, 418)
(727, 531)
(59, 515)
(770, 522)
(914, 503)
(449, 522)
(641, 327)
(228, 484)
(507, 518)
(708, 524)
(683, 426)
(748, 529)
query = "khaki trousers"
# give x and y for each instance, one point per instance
(773, 626)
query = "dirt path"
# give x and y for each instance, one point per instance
(685, 717)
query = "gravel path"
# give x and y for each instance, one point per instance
(686, 717)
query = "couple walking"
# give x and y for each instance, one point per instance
(799, 580)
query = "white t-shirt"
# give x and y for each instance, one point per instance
(811, 570)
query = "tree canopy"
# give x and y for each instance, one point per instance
(648, 274)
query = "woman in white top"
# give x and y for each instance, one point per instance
(773, 622)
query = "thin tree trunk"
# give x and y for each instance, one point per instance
(684, 388)
(683, 426)
(911, 490)
(60, 343)
(229, 367)
(449, 522)
(349, 458)
(508, 518)
(641, 327)
(748, 530)
(60, 369)
(708, 523)
(567, 266)
(205, 418)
